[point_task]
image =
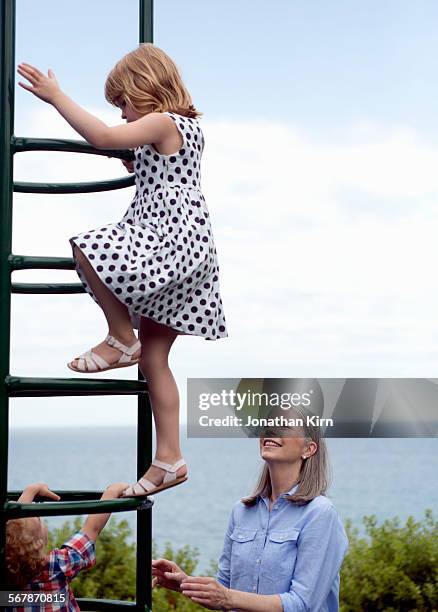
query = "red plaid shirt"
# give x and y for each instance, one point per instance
(63, 564)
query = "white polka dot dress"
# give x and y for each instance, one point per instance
(160, 260)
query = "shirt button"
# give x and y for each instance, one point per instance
(275, 507)
(258, 561)
(240, 535)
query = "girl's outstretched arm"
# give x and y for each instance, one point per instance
(151, 128)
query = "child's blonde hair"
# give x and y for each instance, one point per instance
(149, 80)
(25, 552)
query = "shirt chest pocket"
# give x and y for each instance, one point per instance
(243, 544)
(281, 552)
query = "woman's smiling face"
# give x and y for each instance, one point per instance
(290, 448)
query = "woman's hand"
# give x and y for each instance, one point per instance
(44, 87)
(207, 592)
(167, 574)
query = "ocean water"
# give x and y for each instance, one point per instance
(385, 477)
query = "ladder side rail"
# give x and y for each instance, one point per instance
(144, 429)
(7, 85)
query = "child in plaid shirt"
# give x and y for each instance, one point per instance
(31, 568)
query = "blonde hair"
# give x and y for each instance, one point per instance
(314, 474)
(25, 553)
(149, 80)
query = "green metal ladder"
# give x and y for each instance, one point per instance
(72, 502)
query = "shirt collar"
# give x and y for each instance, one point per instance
(290, 492)
(293, 489)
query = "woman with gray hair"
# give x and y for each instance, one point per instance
(284, 544)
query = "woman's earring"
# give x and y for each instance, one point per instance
(304, 457)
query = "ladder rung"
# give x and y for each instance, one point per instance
(92, 605)
(20, 144)
(40, 288)
(94, 186)
(18, 386)
(26, 262)
(13, 509)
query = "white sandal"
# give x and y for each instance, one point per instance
(91, 362)
(144, 487)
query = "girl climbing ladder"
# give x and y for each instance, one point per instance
(157, 269)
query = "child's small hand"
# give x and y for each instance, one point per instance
(44, 87)
(35, 489)
(114, 491)
(96, 522)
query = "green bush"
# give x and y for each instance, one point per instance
(393, 568)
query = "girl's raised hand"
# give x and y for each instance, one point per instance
(44, 87)
(129, 165)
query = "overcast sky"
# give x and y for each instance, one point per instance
(319, 171)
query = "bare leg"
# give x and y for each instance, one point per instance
(116, 313)
(156, 341)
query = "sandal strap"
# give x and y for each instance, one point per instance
(167, 466)
(98, 361)
(91, 362)
(146, 487)
(145, 484)
(127, 357)
(81, 364)
(126, 350)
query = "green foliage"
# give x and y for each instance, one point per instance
(393, 568)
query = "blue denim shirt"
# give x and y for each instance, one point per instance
(293, 551)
